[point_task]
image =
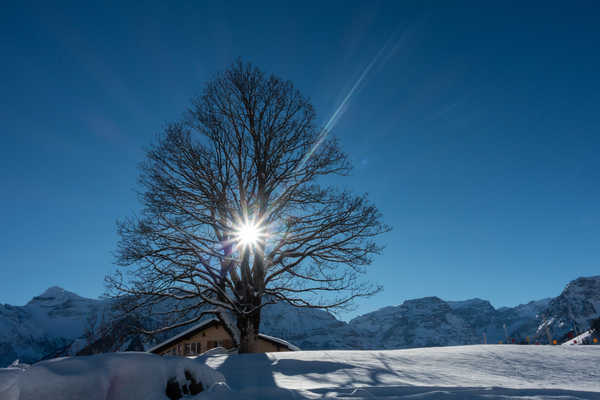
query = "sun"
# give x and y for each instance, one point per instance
(248, 234)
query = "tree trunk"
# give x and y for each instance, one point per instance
(248, 326)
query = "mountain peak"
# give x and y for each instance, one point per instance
(426, 305)
(470, 303)
(54, 294)
(583, 280)
(583, 286)
(53, 291)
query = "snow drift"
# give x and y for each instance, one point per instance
(115, 376)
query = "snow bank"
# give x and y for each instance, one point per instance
(114, 376)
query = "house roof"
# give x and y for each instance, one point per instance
(208, 323)
(279, 341)
(185, 334)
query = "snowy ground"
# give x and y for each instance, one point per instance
(464, 372)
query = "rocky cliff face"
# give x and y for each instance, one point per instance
(574, 308)
(309, 329)
(424, 322)
(431, 321)
(55, 322)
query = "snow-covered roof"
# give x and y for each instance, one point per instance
(207, 323)
(194, 328)
(279, 341)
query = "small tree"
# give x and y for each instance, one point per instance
(236, 215)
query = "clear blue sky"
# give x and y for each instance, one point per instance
(476, 131)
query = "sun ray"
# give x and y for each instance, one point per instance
(339, 111)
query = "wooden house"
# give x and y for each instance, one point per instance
(210, 334)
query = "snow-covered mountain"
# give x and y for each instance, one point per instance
(55, 322)
(49, 322)
(574, 308)
(431, 321)
(309, 329)
(424, 322)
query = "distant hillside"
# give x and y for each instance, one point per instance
(55, 322)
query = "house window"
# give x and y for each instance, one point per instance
(199, 348)
(188, 348)
(211, 344)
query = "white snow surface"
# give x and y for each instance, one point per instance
(113, 376)
(509, 372)
(457, 372)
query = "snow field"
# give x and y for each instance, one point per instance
(478, 372)
(459, 372)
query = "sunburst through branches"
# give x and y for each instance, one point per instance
(248, 234)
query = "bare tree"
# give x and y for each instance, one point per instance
(236, 215)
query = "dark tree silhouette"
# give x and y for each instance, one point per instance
(246, 160)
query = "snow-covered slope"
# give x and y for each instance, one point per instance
(54, 323)
(459, 372)
(47, 323)
(450, 373)
(309, 329)
(424, 322)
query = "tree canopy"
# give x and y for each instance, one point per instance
(236, 214)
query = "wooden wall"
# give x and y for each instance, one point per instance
(211, 337)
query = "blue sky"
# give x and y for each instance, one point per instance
(475, 131)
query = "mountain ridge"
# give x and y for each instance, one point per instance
(57, 322)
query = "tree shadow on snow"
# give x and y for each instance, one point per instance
(252, 370)
(453, 393)
(338, 380)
